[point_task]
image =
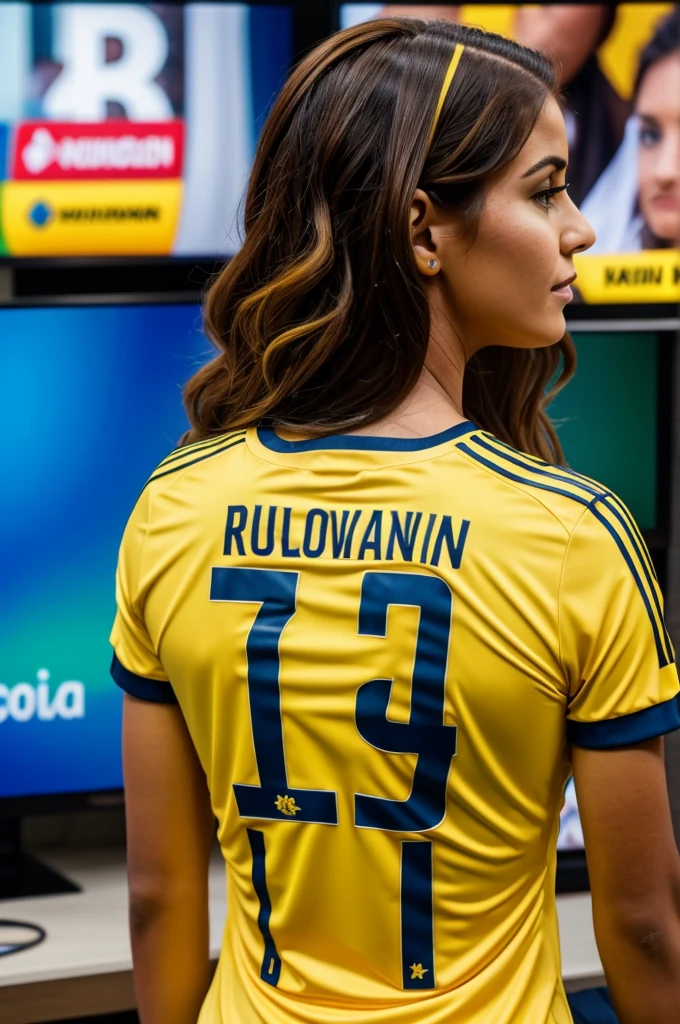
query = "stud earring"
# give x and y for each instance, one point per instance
(432, 264)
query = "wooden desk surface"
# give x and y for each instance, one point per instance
(84, 967)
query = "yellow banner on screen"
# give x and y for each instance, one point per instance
(649, 276)
(83, 218)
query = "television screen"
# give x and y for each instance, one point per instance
(620, 75)
(90, 402)
(601, 439)
(617, 373)
(128, 129)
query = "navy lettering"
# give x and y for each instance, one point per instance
(237, 517)
(406, 538)
(454, 548)
(347, 553)
(331, 533)
(338, 532)
(286, 550)
(371, 540)
(268, 547)
(307, 547)
(428, 534)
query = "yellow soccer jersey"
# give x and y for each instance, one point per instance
(382, 649)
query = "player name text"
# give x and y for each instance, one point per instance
(355, 534)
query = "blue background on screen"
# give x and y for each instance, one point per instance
(271, 46)
(90, 403)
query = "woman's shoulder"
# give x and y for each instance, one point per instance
(562, 491)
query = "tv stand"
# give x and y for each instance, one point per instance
(22, 876)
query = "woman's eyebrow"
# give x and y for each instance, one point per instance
(555, 161)
(648, 117)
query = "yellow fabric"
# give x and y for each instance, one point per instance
(547, 624)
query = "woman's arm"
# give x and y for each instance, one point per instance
(634, 870)
(170, 832)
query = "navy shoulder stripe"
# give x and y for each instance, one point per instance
(192, 462)
(561, 474)
(188, 449)
(541, 476)
(587, 483)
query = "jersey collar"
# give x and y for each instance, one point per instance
(360, 442)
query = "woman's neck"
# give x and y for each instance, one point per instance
(427, 410)
(436, 402)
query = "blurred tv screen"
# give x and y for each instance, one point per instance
(616, 372)
(91, 397)
(624, 169)
(129, 129)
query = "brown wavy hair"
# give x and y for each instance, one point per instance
(321, 320)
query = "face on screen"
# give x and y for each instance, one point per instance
(658, 110)
(129, 129)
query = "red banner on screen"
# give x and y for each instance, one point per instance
(56, 151)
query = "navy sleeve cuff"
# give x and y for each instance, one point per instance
(634, 728)
(154, 690)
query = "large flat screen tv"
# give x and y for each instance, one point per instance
(90, 402)
(621, 102)
(128, 129)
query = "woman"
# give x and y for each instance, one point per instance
(360, 630)
(644, 176)
(657, 106)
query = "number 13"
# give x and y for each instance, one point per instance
(424, 735)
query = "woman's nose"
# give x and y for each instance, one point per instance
(579, 236)
(667, 165)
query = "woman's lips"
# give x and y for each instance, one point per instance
(668, 202)
(563, 290)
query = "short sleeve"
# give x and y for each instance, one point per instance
(615, 650)
(136, 667)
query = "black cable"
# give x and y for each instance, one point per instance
(7, 948)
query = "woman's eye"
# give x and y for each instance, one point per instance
(546, 196)
(649, 137)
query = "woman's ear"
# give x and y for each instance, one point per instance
(424, 246)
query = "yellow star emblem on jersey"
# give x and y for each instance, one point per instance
(286, 804)
(417, 971)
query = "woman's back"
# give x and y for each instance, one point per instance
(375, 667)
(384, 634)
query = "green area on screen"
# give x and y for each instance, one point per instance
(606, 417)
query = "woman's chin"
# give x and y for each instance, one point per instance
(549, 335)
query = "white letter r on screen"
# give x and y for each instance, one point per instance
(82, 90)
